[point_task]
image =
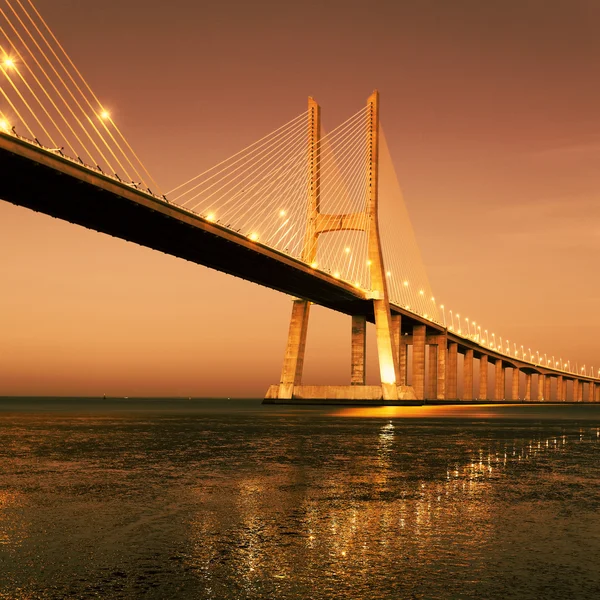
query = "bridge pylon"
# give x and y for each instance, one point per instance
(290, 388)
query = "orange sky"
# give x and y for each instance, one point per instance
(490, 111)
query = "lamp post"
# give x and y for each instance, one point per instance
(443, 314)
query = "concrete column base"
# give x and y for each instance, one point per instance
(372, 395)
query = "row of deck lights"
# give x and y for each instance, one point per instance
(477, 336)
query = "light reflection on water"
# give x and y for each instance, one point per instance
(301, 504)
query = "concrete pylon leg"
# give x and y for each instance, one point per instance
(576, 387)
(293, 362)
(359, 347)
(483, 377)
(499, 381)
(547, 388)
(515, 384)
(418, 361)
(468, 375)
(451, 375)
(540, 390)
(527, 396)
(441, 367)
(590, 392)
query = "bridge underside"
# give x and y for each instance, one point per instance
(103, 205)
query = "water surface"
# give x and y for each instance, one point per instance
(227, 499)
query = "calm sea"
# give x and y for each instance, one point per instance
(228, 499)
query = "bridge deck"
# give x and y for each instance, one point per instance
(46, 182)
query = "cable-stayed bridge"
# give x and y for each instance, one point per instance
(317, 215)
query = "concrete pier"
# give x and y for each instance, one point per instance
(452, 372)
(483, 377)
(468, 375)
(576, 391)
(515, 384)
(418, 361)
(442, 350)
(359, 349)
(540, 390)
(402, 361)
(527, 396)
(560, 393)
(432, 380)
(548, 388)
(499, 380)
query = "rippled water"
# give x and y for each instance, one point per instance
(221, 500)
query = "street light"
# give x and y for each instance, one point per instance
(468, 327)
(458, 319)
(443, 313)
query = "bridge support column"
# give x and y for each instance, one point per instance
(597, 392)
(293, 362)
(527, 396)
(441, 367)
(468, 375)
(451, 389)
(515, 384)
(403, 361)
(540, 390)
(483, 377)
(548, 388)
(500, 382)
(359, 348)
(559, 390)
(590, 391)
(576, 387)
(396, 334)
(433, 376)
(418, 361)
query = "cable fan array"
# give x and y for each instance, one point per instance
(45, 97)
(262, 192)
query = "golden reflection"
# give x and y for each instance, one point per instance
(392, 499)
(475, 411)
